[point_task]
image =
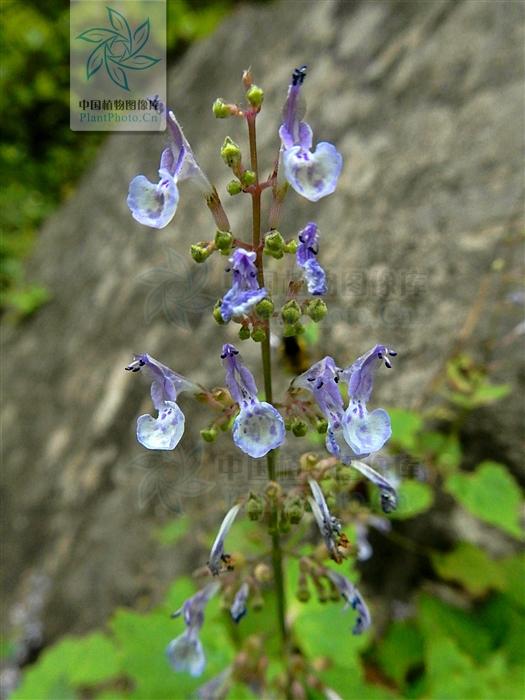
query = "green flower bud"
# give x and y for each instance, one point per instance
(273, 243)
(255, 96)
(223, 240)
(264, 308)
(288, 423)
(209, 434)
(258, 335)
(316, 309)
(289, 330)
(291, 312)
(230, 153)
(220, 109)
(299, 427)
(293, 509)
(322, 426)
(254, 507)
(303, 595)
(248, 178)
(244, 333)
(234, 187)
(217, 313)
(200, 252)
(291, 247)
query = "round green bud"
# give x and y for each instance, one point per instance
(220, 109)
(274, 242)
(234, 187)
(244, 333)
(291, 312)
(289, 330)
(248, 178)
(264, 308)
(259, 335)
(288, 423)
(322, 426)
(255, 96)
(299, 427)
(323, 596)
(230, 153)
(199, 253)
(290, 247)
(316, 309)
(254, 507)
(209, 434)
(217, 314)
(303, 595)
(293, 509)
(223, 240)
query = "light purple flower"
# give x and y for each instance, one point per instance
(165, 431)
(245, 291)
(238, 608)
(217, 688)
(185, 652)
(353, 599)
(329, 526)
(259, 427)
(218, 560)
(306, 258)
(312, 174)
(155, 204)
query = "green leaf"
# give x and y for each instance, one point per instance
(471, 567)
(491, 494)
(173, 531)
(414, 498)
(400, 650)
(405, 426)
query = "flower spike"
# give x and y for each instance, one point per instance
(306, 257)
(312, 174)
(165, 431)
(185, 652)
(245, 291)
(155, 205)
(353, 599)
(219, 561)
(259, 427)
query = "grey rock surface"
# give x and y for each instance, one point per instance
(425, 101)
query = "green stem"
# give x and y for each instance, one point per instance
(277, 556)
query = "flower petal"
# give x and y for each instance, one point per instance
(153, 205)
(315, 277)
(365, 432)
(258, 429)
(237, 302)
(313, 174)
(185, 653)
(163, 432)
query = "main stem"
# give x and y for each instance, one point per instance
(277, 558)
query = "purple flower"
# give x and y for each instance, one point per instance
(238, 609)
(353, 599)
(218, 559)
(245, 291)
(185, 652)
(165, 431)
(306, 257)
(155, 204)
(259, 427)
(312, 174)
(217, 688)
(329, 526)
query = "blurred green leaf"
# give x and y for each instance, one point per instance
(400, 650)
(173, 531)
(490, 493)
(414, 498)
(470, 566)
(405, 427)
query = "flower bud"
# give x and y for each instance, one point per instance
(316, 309)
(263, 573)
(223, 240)
(291, 247)
(294, 509)
(248, 178)
(244, 333)
(230, 153)
(200, 252)
(259, 335)
(321, 426)
(255, 96)
(299, 427)
(273, 243)
(209, 434)
(308, 461)
(254, 507)
(291, 312)
(264, 308)
(217, 313)
(220, 109)
(234, 187)
(273, 490)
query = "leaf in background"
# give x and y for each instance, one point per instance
(97, 35)
(400, 650)
(470, 566)
(116, 74)
(414, 498)
(449, 456)
(120, 24)
(173, 531)
(514, 571)
(491, 494)
(141, 36)
(95, 60)
(405, 426)
(140, 62)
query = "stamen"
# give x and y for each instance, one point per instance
(299, 75)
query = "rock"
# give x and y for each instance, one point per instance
(421, 238)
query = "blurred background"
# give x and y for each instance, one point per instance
(423, 241)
